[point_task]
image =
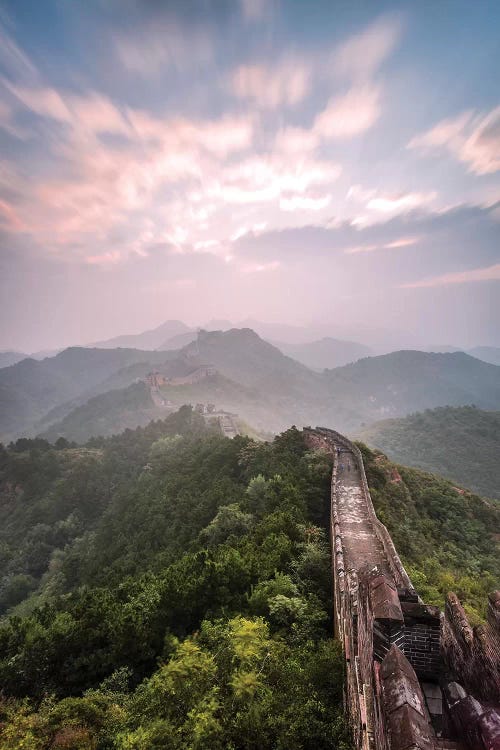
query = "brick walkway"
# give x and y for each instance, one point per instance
(360, 542)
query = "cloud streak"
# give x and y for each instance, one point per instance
(472, 138)
(491, 273)
(270, 87)
(350, 114)
(360, 56)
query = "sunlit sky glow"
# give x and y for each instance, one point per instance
(290, 161)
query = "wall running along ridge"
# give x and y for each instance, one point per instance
(415, 679)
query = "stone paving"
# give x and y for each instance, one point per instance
(361, 545)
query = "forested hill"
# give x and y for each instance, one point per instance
(168, 587)
(447, 537)
(173, 591)
(403, 382)
(107, 414)
(461, 443)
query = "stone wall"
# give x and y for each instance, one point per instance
(323, 437)
(473, 654)
(401, 666)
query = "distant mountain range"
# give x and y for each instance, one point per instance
(247, 375)
(10, 358)
(402, 382)
(153, 339)
(489, 354)
(30, 389)
(178, 341)
(310, 344)
(326, 353)
(460, 443)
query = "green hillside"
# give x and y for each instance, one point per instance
(105, 415)
(131, 407)
(447, 537)
(399, 383)
(461, 443)
(168, 587)
(180, 594)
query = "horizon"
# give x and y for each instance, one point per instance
(297, 336)
(324, 166)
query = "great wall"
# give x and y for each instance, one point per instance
(416, 678)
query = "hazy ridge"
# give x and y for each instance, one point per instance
(251, 377)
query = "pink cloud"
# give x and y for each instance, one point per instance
(223, 136)
(226, 135)
(402, 242)
(304, 202)
(296, 140)
(350, 114)
(45, 102)
(106, 259)
(396, 244)
(402, 203)
(261, 267)
(7, 122)
(10, 218)
(473, 139)
(271, 87)
(91, 112)
(491, 273)
(97, 114)
(259, 179)
(361, 55)
(377, 204)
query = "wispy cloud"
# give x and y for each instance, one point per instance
(13, 60)
(261, 267)
(391, 204)
(254, 10)
(491, 273)
(360, 56)
(162, 45)
(393, 245)
(350, 114)
(272, 86)
(377, 205)
(472, 138)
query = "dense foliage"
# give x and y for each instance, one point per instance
(180, 593)
(461, 443)
(169, 588)
(447, 537)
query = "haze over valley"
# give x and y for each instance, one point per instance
(82, 392)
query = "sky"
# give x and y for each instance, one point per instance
(312, 163)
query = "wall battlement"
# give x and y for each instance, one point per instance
(415, 679)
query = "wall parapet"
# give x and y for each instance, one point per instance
(400, 575)
(414, 678)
